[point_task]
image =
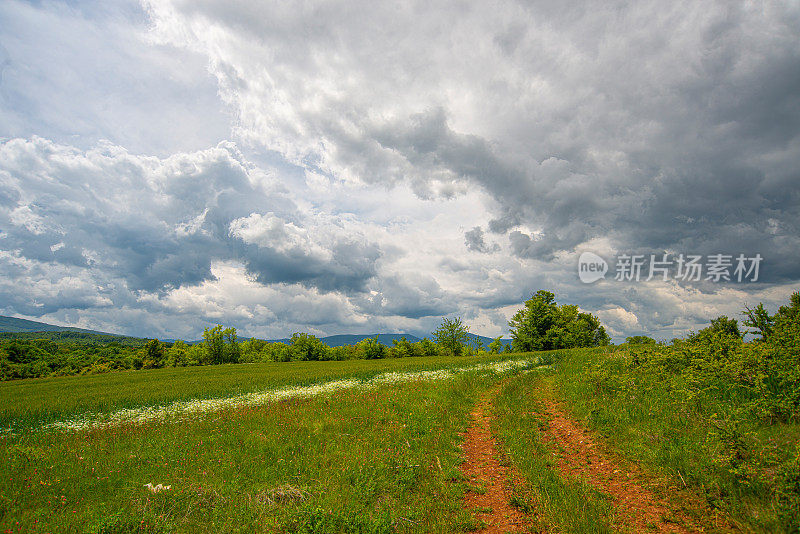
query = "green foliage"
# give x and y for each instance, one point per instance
(452, 335)
(777, 326)
(214, 344)
(153, 356)
(21, 357)
(640, 340)
(221, 345)
(77, 338)
(723, 413)
(699, 415)
(496, 345)
(177, 355)
(722, 330)
(232, 351)
(788, 489)
(426, 347)
(759, 319)
(543, 325)
(307, 347)
(372, 348)
(401, 348)
(35, 358)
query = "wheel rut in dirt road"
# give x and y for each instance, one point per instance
(483, 468)
(638, 503)
(637, 507)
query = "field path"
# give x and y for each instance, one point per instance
(636, 506)
(483, 469)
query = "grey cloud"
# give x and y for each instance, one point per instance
(572, 135)
(157, 224)
(351, 266)
(475, 241)
(642, 128)
(393, 295)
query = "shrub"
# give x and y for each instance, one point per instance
(307, 347)
(372, 348)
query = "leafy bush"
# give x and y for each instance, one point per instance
(307, 347)
(372, 348)
(543, 325)
(640, 340)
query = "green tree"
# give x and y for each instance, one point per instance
(721, 328)
(640, 340)
(401, 348)
(232, 351)
(543, 325)
(452, 335)
(177, 355)
(496, 345)
(372, 348)
(759, 319)
(426, 347)
(214, 345)
(780, 327)
(153, 354)
(307, 347)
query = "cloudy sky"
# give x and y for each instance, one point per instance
(361, 167)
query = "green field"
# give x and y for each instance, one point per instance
(377, 460)
(27, 402)
(382, 458)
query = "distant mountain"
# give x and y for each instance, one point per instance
(486, 340)
(12, 324)
(386, 339)
(351, 339)
(23, 329)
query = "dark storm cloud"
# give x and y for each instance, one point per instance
(415, 299)
(348, 269)
(661, 126)
(556, 127)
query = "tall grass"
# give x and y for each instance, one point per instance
(382, 460)
(33, 401)
(698, 433)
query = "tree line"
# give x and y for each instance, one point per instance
(540, 325)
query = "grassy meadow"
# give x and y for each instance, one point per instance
(689, 435)
(383, 458)
(359, 460)
(28, 402)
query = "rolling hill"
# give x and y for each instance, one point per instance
(13, 324)
(16, 325)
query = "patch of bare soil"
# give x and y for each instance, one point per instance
(637, 507)
(484, 471)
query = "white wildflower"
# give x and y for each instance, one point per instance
(182, 410)
(156, 489)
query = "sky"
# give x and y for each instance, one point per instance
(363, 167)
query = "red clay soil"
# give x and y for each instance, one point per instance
(483, 469)
(636, 507)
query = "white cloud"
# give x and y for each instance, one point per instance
(367, 166)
